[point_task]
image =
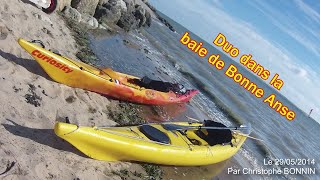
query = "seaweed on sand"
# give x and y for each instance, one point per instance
(153, 171)
(80, 34)
(126, 115)
(32, 97)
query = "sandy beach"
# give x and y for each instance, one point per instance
(31, 102)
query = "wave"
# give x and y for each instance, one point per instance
(262, 148)
(219, 103)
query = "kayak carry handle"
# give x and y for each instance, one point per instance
(39, 42)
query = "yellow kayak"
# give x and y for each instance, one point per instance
(174, 143)
(104, 81)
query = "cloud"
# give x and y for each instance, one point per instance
(304, 32)
(311, 13)
(298, 71)
(299, 78)
(216, 3)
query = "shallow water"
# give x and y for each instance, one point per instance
(157, 53)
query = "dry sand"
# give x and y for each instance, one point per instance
(27, 138)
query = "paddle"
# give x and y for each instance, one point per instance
(214, 128)
(223, 128)
(192, 119)
(218, 128)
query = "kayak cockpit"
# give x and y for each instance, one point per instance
(185, 136)
(154, 134)
(194, 136)
(144, 83)
(200, 135)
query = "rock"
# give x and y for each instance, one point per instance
(134, 17)
(111, 3)
(85, 6)
(101, 26)
(151, 7)
(140, 15)
(130, 5)
(89, 21)
(148, 19)
(105, 27)
(128, 22)
(123, 6)
(166, 23)
(110, 11)
(107, 15)
(146, 51)
(72, 14)
(3, 33)
(125, 13)
(102, 2)
(62, 4)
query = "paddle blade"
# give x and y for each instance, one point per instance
(245, 128)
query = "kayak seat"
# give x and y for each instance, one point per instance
(154, 134)
(214, 137)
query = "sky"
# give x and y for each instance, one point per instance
(283, 36)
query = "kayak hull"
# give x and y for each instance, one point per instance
(107, 82)
(129, 144)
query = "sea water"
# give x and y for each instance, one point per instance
(157, 53)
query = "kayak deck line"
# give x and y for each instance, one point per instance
(83, 69)
(141, 138)
(111, 79)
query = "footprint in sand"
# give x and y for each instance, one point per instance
(6, 7)
(83, 95)
(7, 162)
(3, 65)
(3, 33)
(42, 171)
(69, 95)
(47, 88)
(71, 99)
